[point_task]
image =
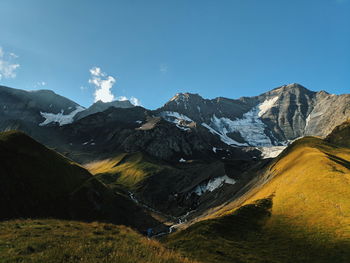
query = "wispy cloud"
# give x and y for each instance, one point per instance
(163, 68)
(40, 84)
(122, 98)
(103, 84)
(7, 66)
(134, 101)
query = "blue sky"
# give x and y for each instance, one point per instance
(153, 49)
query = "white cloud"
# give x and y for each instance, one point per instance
(7, 66)
(41, 83)
(96, 71)
(163, 68)
(103, 84)
(135, 101)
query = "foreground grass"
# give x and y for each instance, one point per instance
(50, 241)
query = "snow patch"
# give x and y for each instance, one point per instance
(213, 184)
(60, 118)
(214, 149)
(182, 160)
(178, 119)
(271, 152)
(170, 115)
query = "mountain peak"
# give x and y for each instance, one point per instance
(185, 96)
(116, 103)
(290, 87)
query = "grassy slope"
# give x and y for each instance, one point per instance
(125, 170)
(50, 241)
(309, 187)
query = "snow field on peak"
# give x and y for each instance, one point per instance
(60, 118)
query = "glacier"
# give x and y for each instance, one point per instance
(250, 126)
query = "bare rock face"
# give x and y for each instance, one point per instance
(340, 135)
(286, 118)
(329, 111)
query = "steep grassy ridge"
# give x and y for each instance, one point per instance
(309, 218)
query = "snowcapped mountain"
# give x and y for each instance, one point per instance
(271, 119)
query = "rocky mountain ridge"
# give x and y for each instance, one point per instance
(188, 126)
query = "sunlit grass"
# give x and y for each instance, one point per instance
(127, 170)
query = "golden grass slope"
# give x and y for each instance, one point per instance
(126, 169)
(51, 241)
(309, 221)
(311, 188)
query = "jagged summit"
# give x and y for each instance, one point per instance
(289, 87)
(100, 106)
(185, 96)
